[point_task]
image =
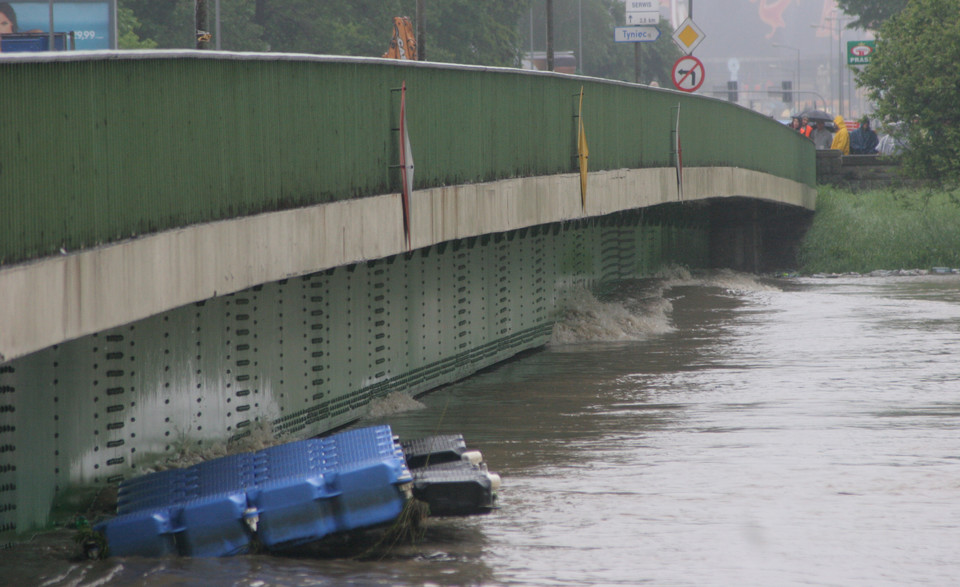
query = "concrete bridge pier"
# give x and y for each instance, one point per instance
(756, 236)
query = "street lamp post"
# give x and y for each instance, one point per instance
(830, 63)
(839, 66)
(796, 86)
(838, 19)
(580, 37)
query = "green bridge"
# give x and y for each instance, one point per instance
(198, 246)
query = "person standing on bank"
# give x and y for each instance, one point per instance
(841, 140)
(822, 138)
(864, 141)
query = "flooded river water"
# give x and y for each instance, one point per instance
(723, 430)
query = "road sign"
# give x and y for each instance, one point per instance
(688, 74)
(636, 34)
(733, 66)
(860, 52)
(642, 18)
(687, 36)
(642, 5)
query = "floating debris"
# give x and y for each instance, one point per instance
(451, 479)
(297, 493)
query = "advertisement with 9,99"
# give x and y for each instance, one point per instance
(91, 22)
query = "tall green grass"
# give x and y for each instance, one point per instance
(896, 229)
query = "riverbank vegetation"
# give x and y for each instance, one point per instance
(890, 229)
(491, 32)
(914, 88)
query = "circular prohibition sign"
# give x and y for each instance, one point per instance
(688, 74)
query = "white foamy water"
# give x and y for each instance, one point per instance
(638, 309)
(582, 318)
(725, 279)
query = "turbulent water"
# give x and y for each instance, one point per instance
(717, 430)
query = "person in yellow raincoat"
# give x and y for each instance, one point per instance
(841, 140)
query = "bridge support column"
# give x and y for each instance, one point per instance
(756, 237)
(735, 236)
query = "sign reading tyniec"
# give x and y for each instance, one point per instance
(636, 34)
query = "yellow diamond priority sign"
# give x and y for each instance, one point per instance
(687, 36)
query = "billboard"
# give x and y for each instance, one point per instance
(91, 21)
(860, 52)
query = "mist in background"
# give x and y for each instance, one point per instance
(760, 44)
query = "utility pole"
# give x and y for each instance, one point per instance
(421, 32)
(636, 62)
(203, 36)
(840, 59)
(549, 35)
(51, 44)
(580, 37)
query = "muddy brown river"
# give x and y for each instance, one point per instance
(718, 430)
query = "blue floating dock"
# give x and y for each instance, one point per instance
(280, 497)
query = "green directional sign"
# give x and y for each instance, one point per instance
(860, 52)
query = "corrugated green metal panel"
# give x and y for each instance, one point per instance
(98, 150)
(466, 126)
(714, 134)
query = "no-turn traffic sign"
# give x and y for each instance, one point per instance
(688, 74)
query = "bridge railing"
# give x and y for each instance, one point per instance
(97, 148)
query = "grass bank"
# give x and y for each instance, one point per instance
(896, 229)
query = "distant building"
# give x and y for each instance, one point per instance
(563, 61)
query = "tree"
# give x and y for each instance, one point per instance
(170, 24)
(479, 33)
(914, 79)
(458, 31)
(657, 58)
(360, 27)
(590, 23)
(871, 13)
(127, 26)
(487, 32)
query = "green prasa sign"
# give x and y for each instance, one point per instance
(860, 52)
